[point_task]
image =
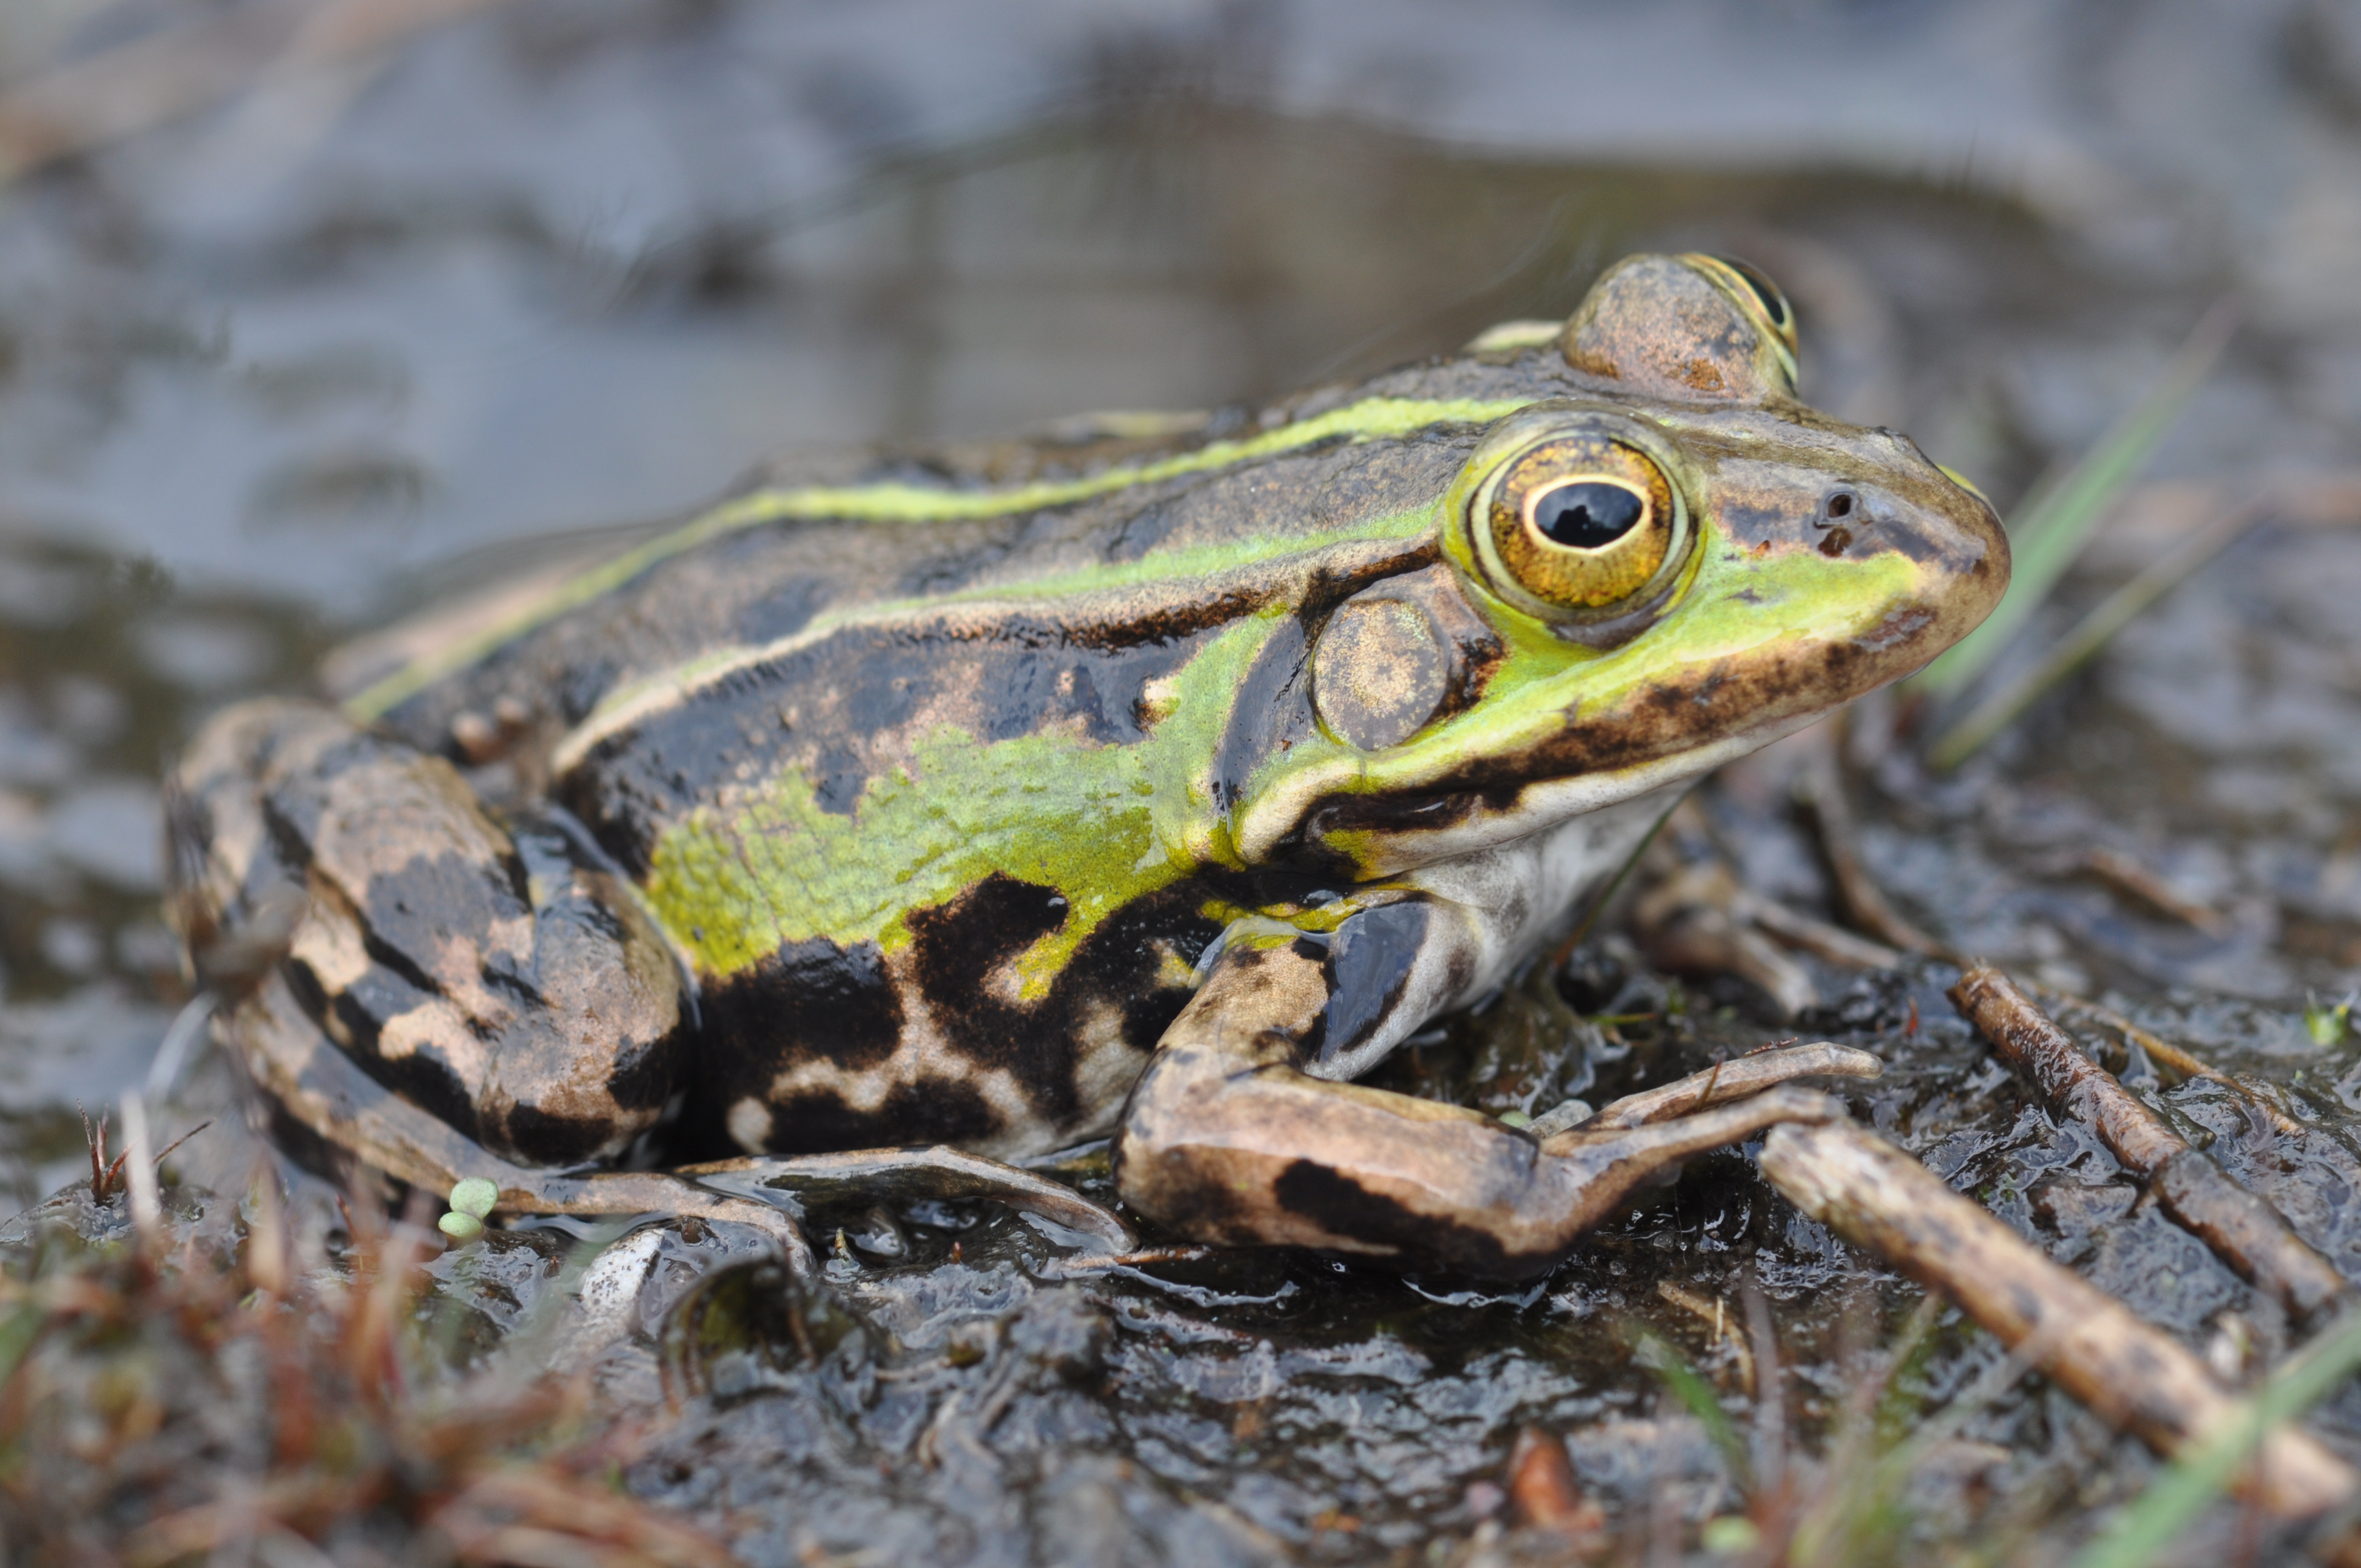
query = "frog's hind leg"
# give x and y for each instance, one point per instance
(333, 1104)
(483, 969)
(1228, 1137)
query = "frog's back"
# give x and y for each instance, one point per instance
(878, 753)
(797, 546)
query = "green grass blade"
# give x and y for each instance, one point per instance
(1996, 712)
(2057, 521)
(2156, 1518)
(1659, 1355)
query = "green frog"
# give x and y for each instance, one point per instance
(1152, 778)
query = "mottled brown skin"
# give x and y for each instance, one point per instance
(1228, 1139)
(513, 993)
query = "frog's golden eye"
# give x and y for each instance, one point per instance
(1582, 521)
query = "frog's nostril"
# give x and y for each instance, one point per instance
(1839, 505)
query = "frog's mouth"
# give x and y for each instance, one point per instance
(1386, 837)
(1572, 752)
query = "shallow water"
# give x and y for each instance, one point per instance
(277, 374)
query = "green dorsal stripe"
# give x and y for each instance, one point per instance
(1370, 418)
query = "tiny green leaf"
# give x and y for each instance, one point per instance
(475, 1197)
(2327, 1022)
(460, 1227)
(1730, 1535)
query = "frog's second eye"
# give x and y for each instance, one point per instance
(1580, 522)
(1777, 314)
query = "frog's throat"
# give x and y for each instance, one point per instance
(1269, 821)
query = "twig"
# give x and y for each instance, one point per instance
(1865, 902)
(2171, 1057)
(2244, 1231)
(2132, 1375)
(1833, 944)
(1720, 1326)
(2127, 875)
(1696, 921)
(2146, 1529)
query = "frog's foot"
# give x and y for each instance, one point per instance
(1734, 1079)
(936, 1172)
(1228, 1137)
(319, 1097)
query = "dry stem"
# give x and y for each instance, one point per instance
(2132, 1375)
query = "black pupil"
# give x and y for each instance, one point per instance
(1588, 515)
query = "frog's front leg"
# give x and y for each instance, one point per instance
(491, 973)
(1228, 1138)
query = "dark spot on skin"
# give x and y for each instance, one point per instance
(1343, 1207)
(1368, 965)
(1836, 542)
(359, 1013)
(810, 1001)
(1272, 712)
(643, 1077)
(839, 776)
(1896, 629)
(927, 1111)
(536, 1137)
(956, 948)
(1405, 813)
(393, 961)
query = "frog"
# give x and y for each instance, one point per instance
(1149, 780)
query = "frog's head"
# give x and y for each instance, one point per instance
(1670, 563)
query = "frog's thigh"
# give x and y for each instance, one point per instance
(1228, 1137)
(485, 976)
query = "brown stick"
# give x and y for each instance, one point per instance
(2130, 1374)
(2172, 1057)
(2243, 1231)
(1865, 902)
